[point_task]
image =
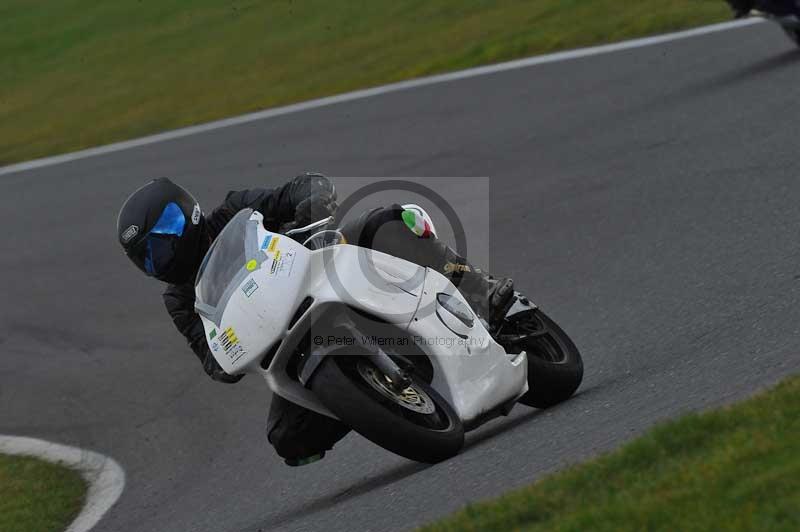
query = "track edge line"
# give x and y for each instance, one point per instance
(376, 91)
(105, 476)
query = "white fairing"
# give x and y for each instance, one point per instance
(474, 372)
(277, 274)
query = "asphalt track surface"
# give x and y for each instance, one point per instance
(648, 199)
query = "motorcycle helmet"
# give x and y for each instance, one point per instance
(162, 230)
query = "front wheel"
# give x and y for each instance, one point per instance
(555, 366)
(416, 423)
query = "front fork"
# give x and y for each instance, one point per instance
(399, 380)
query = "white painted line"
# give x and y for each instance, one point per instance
(376, 91)
(105, 476)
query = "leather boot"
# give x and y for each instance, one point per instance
(489, 297)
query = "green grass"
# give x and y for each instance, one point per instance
(78, 73)
(733, 469)
(38, 496)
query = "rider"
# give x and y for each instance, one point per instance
(166, 235)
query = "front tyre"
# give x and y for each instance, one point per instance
(555, 366)
(416, 423)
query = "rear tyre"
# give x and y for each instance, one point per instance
(417, 424)
(555, 366)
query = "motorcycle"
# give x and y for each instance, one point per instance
(786, 16)
(390, 348)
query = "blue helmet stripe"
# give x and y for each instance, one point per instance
(171, 222)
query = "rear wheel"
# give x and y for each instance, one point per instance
(416, 423)
(555, 366)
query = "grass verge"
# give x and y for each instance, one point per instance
(38, 496)
(733, 469)
(75, 74)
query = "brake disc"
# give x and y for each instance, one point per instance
(411, 398)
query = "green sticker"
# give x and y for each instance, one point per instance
(213, 334)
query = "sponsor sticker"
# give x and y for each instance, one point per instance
(452, 267)
(213, 334)
(249, 287)
(282, 264)
(284, 268)
(273, 244)
(236, 353)
(265, 243)
(228, 338)
(129, 233)
(275, 263)
(230, 343)
(196, 214)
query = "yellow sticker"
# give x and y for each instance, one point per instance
(251, 265)
(228, 339)
(273, 244)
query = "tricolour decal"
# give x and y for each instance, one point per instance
(415, 221)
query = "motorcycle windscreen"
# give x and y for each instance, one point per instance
(231, 258)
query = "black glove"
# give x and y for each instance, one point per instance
(315, 207)
(215, 371)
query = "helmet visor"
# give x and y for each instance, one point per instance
(160, 253)
(156, 252)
